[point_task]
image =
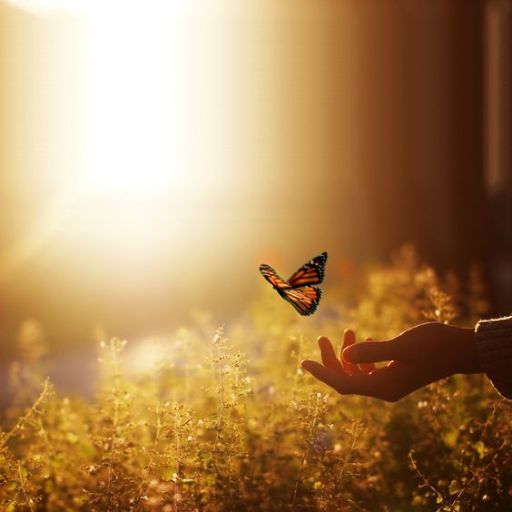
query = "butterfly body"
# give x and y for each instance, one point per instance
(300, 290)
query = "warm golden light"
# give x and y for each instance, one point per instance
(154, 154)
(151, 145)
(146, 354)
(44, 7)
(153, 123)
(165, 144)
(127, 92)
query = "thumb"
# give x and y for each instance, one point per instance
(372, 352)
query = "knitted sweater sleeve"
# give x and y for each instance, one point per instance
(494, 348)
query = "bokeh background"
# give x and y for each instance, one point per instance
(152, 154)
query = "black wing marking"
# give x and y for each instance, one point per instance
(305, 299)
(273, 278)
(310, 273)
(298, 290)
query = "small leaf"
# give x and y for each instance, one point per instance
(480, 448)
(450, 438)
(317, 485)
(454, 487)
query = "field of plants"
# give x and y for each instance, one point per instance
(228, 421)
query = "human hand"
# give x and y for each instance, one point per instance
(418, 356)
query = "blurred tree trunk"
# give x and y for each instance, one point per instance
(498, 146)
(424, 172)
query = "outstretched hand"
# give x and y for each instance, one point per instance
(418, 356)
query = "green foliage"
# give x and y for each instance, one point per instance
(229, 422)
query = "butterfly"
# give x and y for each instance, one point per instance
(298, 290)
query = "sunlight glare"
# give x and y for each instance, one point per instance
(157, 136)
(127, 95)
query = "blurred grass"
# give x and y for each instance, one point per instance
(227, 420)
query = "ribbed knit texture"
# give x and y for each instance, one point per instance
(494, 347)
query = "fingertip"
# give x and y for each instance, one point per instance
(309, 364)
(314, 368)
(323, 341)
(349, 337)
(306, 364)
(350, 353)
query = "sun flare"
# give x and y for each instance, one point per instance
(127, 93)
(154, 133)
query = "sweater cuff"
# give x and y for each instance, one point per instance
(494, 348)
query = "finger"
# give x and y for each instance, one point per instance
(328, 355)
(367, 367)
(349, 338)
(373, 351)
(322, 373)
(367, 385)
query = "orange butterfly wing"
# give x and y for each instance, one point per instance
(310, 273)
(305, 299)
(298, 290)
(273, 278)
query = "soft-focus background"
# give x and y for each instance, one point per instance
(152, 154)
